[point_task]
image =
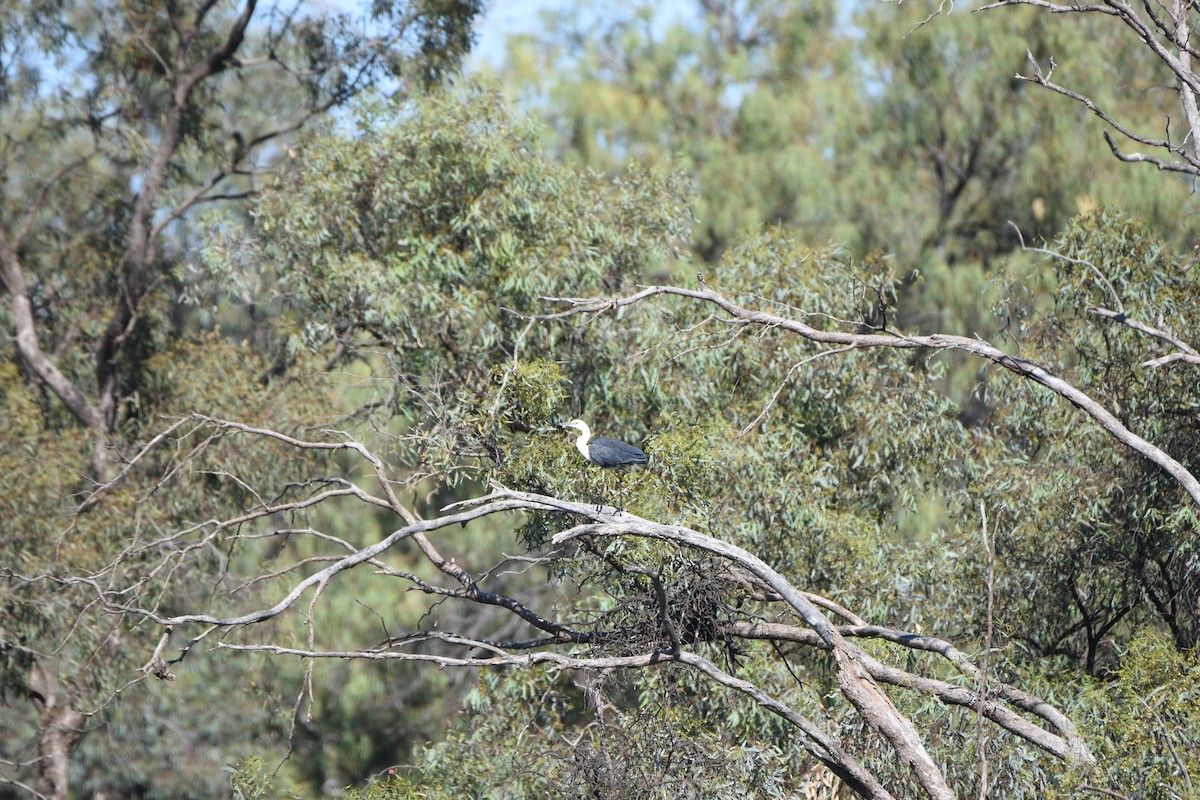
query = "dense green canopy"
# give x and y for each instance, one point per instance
(332, 339)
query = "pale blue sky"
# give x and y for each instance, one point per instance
(503, 18)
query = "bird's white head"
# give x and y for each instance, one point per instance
(579, 425)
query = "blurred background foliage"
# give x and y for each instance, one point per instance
(833, 163)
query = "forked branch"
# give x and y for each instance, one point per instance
(1163, 29)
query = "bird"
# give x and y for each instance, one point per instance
(603, 451)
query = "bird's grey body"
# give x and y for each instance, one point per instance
(606, 452)
(603, 451)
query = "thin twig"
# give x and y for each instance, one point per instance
(783, 383)
(987, 649)
(1070, 260)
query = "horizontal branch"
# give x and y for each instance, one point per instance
(1053, 8)
(1169, 357)
(937, 341)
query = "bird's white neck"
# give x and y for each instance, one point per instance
(582, 442)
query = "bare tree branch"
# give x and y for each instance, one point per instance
(1054, 8)
(27, 340)
(1167, 37)
(989, 548)
(1167, 359)
(937, 341)
(95, 497)
(783, 383)
(1187, 91)
(1189, 165)
(1141, 158)
(860, 675)
(5, 779)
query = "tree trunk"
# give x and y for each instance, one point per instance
(61, 727)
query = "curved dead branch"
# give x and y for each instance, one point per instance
(937, 341)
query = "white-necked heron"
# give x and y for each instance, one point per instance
(603, 451)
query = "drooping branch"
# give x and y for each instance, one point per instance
(937, 341)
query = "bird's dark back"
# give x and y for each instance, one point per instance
(608, 452)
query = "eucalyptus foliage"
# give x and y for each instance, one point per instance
(397, 279)
(853, 473)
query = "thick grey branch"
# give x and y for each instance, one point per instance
(1169, 357)
(27, 341)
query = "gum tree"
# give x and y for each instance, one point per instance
(779, 547)
(122, 121)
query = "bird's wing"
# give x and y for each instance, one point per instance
(614, 453)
